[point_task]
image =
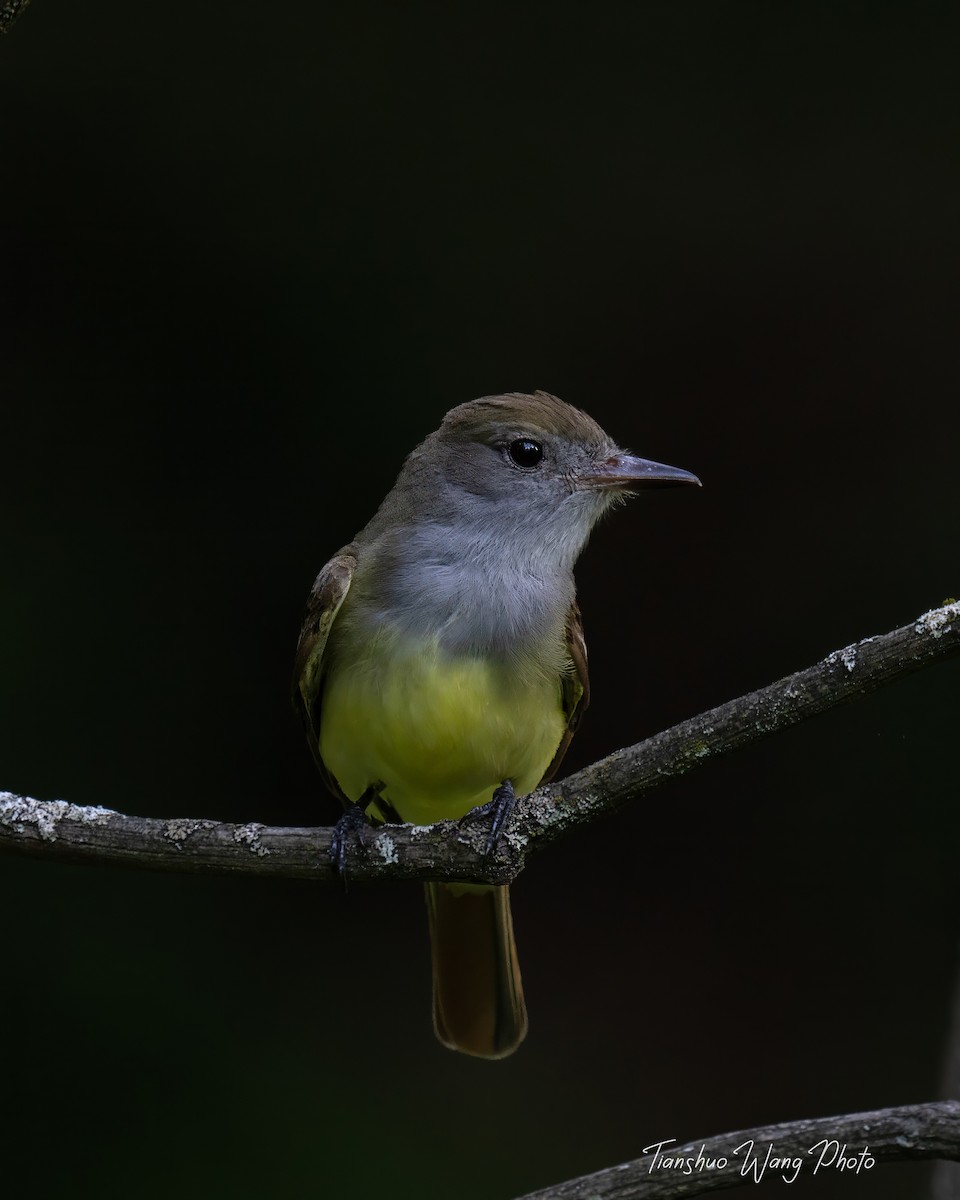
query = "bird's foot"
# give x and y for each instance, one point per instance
(500, 807)
(354, 821)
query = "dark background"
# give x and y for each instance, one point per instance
(250, 255)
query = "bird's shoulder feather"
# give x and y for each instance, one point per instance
(575, 688)
(326, 597)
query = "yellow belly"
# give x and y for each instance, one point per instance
(439, 733)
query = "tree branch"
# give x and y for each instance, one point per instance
(9, 11)
(454, 850)
(852, 1145)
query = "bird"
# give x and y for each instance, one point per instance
(442, 666)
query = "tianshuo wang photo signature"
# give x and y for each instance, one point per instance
(756, 1161)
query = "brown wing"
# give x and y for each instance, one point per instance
(326, 596)
(575, 694)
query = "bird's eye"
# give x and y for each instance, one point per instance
(525, 452)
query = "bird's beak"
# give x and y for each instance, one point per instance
(625, 473)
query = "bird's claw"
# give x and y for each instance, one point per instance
(500, 806)
(353, 821)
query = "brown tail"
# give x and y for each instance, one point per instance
(478, 1003)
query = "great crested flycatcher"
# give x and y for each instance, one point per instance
(442, 664)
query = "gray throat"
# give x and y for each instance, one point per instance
(477, 591)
